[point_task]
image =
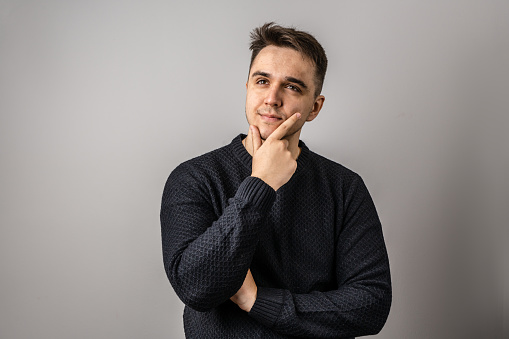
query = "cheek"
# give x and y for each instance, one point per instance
(300, 106)
(297, 126)
(250, 103)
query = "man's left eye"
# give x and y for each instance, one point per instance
(293, 88)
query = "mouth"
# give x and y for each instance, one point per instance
(270, 118)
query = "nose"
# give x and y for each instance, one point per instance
(273, 97)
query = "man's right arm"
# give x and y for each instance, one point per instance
(205, 257)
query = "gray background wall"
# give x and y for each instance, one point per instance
(100, 100)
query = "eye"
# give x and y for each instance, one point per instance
(262, 82)
(293, 88)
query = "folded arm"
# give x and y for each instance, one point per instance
(361, 302)
(206, 256)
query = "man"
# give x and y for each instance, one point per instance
(263, 238)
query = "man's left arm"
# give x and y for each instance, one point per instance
(360, 304)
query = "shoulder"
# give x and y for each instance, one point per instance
(343, 183)
(212, 169)
(191, 179)
(331, 169)
(210, 177)
(205, 164)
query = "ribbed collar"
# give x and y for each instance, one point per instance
(246, 158)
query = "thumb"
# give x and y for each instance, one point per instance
(256, 140)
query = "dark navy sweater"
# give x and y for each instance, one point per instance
(315, 249)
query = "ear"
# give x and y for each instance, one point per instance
(246, 85)
(317, 106)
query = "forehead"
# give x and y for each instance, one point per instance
(284, 62)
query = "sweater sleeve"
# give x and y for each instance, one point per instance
(206, 257)
(360, 304)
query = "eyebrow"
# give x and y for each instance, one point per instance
(290, 79)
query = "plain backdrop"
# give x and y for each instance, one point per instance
(101, 100)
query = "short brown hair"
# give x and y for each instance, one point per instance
(303, 42)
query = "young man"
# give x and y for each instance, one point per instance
(263, 238)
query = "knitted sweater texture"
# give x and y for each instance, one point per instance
(315, 249)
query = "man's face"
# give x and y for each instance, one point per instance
(281, 83)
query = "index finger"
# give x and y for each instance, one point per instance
(280, 132)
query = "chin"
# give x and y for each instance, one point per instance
(265, 132)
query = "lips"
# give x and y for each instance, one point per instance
(269, 117)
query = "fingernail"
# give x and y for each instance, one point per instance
(298, 115)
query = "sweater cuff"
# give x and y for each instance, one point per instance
(267, 306)
(257, 192)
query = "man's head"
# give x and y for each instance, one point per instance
(285, 77)
(271, 34)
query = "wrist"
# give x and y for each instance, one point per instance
(250, 300)
(265, 180)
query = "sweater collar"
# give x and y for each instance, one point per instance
(246, 158)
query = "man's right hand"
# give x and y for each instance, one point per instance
(272, 160)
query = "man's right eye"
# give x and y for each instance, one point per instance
(262, 82)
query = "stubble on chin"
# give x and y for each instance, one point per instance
(265, 134)
(271, 127)
(267, 129)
